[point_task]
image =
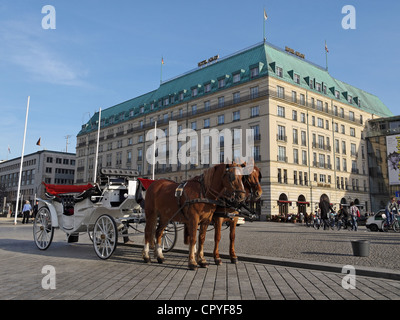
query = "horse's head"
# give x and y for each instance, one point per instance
(233, 183)
(225, 181)
(252, 183)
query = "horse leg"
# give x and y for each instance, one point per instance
(158, 254)
(200, 252)
(192, 229)
(232, 235)
(149, 229)
(217, 238)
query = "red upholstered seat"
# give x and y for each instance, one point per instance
(55, 189)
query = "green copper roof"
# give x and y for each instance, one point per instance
(265, 56)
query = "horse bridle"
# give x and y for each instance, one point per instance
(251, 185)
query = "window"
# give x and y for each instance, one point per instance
(295, 136)
(294, 115)
(321, 142)
(279, 72)
(194, 109)
(344, 147)
(207, 87)
(279, 175)
(318, 86)
(296, 78)
(294, 96)
(281, 111)
(281, 133)
(302, 99)
(236, 116)
(254, 72)
(281, 92)
(236, 77)
(207, 106)
(193, 125)
(254, 111)
(281, 154)
(320, 123)
(206, 123)
(254, 92)
(221, 83)
(352, 132)
(320, 105)
(351, 116)
(256, 132)
(304, 157)
(194, 92)
(236, 97)
(302, 117)
(296, 156)
(295, 177)
(337, 94)
(338, 164)
(303, 139)
(353, 150)
(221, 102)
(221, 119)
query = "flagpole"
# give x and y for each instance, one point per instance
(265, 17)
(326, 55)
(97, 148)
(154, 147)
(162, 62)
(22, 161)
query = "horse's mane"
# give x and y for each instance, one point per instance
(209, 175)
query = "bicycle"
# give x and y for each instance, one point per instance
(395, 226)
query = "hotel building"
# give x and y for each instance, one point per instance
(309, 128)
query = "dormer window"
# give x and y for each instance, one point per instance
(194, 92)
(207, 87)
(296, 78)
(254, 72)
(279, 72)
(318, 87)
(350, 99)
(337, 94)
(236, 77)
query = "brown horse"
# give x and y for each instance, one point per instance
(196, 205)
(253, 193)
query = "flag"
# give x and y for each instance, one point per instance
(326, 48)
(162, 60)
(38, 142)
(9, 150)
(265, 15)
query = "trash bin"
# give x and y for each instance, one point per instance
(360, 248)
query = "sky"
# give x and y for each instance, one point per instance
(102, 53)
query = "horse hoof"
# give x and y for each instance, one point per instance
(147, 260)
(160, 260)
(218, 261)
(193, 266)
(234, 260)
(203, 264)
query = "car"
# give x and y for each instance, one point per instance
(375, 222)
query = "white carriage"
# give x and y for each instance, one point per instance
(104, 210)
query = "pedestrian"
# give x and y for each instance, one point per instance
(343, 216)
(391, 208)
(35, 210)
(354, 212)
(325, 208)
(26, 211)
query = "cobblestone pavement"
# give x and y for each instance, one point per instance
(81, 275)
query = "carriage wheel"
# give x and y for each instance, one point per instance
(169, 237)
(42, 228)
(105, 236)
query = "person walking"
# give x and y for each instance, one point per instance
(26, 211)
(354, 212)
(392, 208)
(325, 207)
(343, 216)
